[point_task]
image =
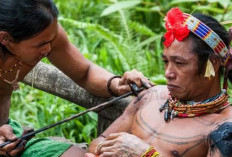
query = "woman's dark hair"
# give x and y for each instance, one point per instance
(202, 49)
(23, 19)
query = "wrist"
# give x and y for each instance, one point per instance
(151, 152)
(112, 82)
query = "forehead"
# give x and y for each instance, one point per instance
(180, 49)
(46, 34)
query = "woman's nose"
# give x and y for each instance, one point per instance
(46, 49)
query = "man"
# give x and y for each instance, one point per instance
(191, 116)
(28, 32)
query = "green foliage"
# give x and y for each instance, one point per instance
(118, 35)
(118, 6)
(37, 109)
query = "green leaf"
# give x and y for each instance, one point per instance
(183, 1)
(213, 1)
(156, 9)
(209, 8)
(225, 3)
(120, 5)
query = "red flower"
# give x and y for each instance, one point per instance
(174, 26)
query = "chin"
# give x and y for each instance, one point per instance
(178, 95)
(31, 63)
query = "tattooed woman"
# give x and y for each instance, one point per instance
(191, 116)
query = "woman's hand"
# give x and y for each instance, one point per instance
(14, 148)
(121, 86)
(122, 145)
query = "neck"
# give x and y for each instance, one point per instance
(212, 88)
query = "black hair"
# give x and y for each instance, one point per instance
(23, 19)
(202, 49)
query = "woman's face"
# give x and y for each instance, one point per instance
(31, 51)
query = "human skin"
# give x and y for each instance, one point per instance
(53, 44)
(142, 124)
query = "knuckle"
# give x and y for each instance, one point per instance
(126, 73)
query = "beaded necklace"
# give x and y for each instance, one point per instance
(14, 82)
(175, 108)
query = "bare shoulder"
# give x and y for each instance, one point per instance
(160, 90)
(156, 93)
(61, 39)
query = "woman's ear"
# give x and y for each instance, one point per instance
(4, 37)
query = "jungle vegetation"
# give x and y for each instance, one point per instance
(118, 35)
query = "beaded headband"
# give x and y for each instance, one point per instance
(176, 20)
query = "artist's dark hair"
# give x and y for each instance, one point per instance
(202, 49)
(23, 19)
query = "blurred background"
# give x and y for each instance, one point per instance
(118, 35)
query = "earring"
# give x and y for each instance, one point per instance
(209, 71)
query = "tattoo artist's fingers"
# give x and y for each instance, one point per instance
(146, 84)
(2, 153)
(18, 149)
(11, 146)
(27, 131)
(132, 76)
(7, 132)
(2, 139)
(123, 89)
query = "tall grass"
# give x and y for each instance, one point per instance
(117, 35)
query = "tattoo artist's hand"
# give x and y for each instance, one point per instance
(14, 148)
(122, 145)
(121, 86)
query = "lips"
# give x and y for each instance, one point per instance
(172, 87)
(42, 56)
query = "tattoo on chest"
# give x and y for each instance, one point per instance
(188, 143)
(221, 139)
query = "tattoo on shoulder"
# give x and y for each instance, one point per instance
(142, 96)
(221, 139)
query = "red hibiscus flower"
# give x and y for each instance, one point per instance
(174, 26)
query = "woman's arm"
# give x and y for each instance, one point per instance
(68, 59)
